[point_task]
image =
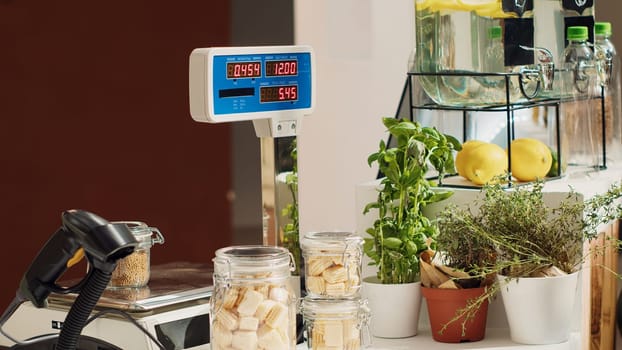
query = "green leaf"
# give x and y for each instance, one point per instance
(392, 242)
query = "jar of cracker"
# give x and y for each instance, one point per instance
(253, 305)
(332, 264)
(134, 270)
(336, 324)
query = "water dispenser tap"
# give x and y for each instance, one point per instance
(546, 66)
(543, 73)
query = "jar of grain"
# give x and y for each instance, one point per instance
(336, 324)
(253, 305)
(332, 264)
(134, 270)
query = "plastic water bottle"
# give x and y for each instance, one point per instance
(493, 56)
(608, 65)
(581, 137)
(578, 65)
(604, 51)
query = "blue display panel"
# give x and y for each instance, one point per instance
(248, 83)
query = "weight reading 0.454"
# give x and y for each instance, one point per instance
(278, 93)
(243, 70)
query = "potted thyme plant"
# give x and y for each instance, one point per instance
(538, 239)
(454, 276)
(401, 232)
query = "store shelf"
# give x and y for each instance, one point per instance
(496, 339)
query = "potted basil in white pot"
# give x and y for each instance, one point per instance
(400, 232)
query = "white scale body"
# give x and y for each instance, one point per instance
(177, 296)
(116, 331)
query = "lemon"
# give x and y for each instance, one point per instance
(464, 154)
(483, 162)
(531, 159)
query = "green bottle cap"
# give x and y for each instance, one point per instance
(602, 28)
(494, 32)
(577, 33)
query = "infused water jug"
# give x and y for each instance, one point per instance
(452, 37)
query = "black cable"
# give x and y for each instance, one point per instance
(81, 309)
(129, 318)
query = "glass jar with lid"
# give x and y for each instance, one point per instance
(253, 304)
(336, 324)
(332, 264)
(134, 270)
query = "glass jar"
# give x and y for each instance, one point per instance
(253, 304)
(134, 270)
(336, 324)
(332, 264)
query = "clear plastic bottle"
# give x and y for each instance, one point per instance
(578, 64)
(608, 65)
(493, 56)
(604, 51)
(581, 137)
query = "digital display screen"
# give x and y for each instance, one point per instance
(237, 70)
(278, 93)
(281, 68)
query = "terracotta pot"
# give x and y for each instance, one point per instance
(443, 306)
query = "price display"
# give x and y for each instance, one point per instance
(247, 83)
(281, 68)
(278, 93)
(237, 70)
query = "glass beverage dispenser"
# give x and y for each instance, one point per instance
(452, 37)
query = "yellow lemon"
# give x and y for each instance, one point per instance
(484, 162)
(531, 159)
(464, 154)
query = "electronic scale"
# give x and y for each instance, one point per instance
(274, 86)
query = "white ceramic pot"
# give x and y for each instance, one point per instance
(394, 307)
(539, 309)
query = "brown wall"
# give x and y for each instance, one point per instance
(609, 10)
(94, 115)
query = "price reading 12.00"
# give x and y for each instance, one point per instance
(278, 93)
(237, 70)
(281, 68)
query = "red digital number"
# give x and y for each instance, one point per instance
(243, 70)
(288, 93)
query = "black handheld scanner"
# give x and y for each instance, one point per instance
(103, 243)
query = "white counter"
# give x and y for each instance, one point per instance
(496, 339)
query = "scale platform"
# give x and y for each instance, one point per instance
(170, 285)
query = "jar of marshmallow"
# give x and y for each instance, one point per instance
(336, 324)
(253, 305)
(332, 264)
